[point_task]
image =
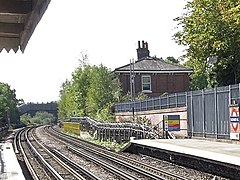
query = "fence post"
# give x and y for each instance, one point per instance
(216, 111)
(229, 102)
(192, 113)
(140, 106)
(186, 99)
(230, 97)
(160, 102)
(238, 90)
(167, 101)
(176, 101)
(203, 108)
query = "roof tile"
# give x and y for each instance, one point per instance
(153, 64)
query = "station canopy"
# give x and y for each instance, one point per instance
(18, 20)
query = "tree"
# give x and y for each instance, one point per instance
(39, 118)
(127, 97)
(80, 86)
(211, 28)
(172, 60)
(62, 104)
(43, 118)
(8, 105)
(26, 119)
(91, 92)
(101, 91)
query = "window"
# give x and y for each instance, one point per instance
(146, 84)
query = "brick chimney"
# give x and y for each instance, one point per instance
(142, 52)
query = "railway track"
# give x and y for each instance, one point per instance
(72, 158)
(131, 169)
(44, 164)
(34, 167)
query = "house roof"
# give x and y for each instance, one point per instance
(153, 65)
(18, 20)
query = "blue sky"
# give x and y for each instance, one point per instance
(107, 30)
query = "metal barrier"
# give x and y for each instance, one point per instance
(161, 102)
(208, 109)
(118, 132)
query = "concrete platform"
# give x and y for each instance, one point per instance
(9, 166)
(217, 158)
(216, 151)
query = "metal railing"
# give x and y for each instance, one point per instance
(161, 102)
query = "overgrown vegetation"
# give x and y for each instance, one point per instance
(39, 118)
(126, 98)
(108, 144)
(141, 120)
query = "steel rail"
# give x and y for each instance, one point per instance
(47, 165)
(82, 170)
(123, 174)
(150, 171)
(15, 140)
(28, 164)
(122, 163)
(63, 164)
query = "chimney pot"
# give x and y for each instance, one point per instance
(142, 52)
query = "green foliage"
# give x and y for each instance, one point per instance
(140, 96)
(140, 120)
(117, 147)
(99, 90)
(39, 118)
(172, 60)
(91, 92)
(198, 78)
(108, 144)
(26, 119)
(8, 105)
(211, 28)
(105, 114)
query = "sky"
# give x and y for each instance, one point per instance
(107, 31)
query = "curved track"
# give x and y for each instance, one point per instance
(44, 164)
(134, 169)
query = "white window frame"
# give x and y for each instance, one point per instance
(150, 84)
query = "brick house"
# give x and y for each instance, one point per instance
(152, 76)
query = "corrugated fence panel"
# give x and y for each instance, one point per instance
(198, 113)
(209, 112)
(223, 111)
(189, 113)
